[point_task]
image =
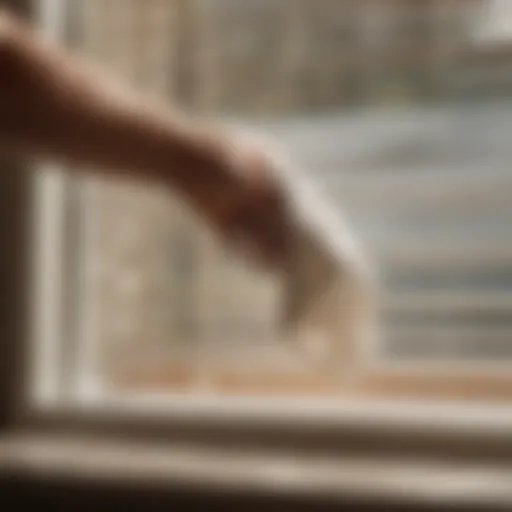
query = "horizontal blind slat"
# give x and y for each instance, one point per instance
(470, 300)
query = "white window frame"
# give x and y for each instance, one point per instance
(452, 428)
(446, 429)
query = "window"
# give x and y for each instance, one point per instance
(148, 297)
(138, 309)
(156, 305)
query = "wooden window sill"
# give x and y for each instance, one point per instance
(152, 466)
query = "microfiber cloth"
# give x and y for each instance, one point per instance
(329, 281)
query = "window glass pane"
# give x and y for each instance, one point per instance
(399, 113)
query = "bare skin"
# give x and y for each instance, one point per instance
(54, 106)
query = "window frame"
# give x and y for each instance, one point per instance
(371, 428)
(360, 425)
(15, 280)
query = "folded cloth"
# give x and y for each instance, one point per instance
(330, 284)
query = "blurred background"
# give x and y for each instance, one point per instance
(401, 112)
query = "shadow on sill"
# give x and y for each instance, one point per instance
(25, 491)
(78, 473)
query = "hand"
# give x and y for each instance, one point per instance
(249, 206)
(55, 106)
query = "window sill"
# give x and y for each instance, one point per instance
(369, 429)
(479, 419)
(191, 467)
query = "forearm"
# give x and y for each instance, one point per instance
(51, 105)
